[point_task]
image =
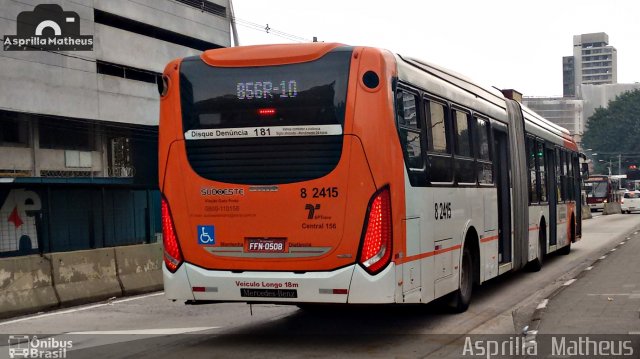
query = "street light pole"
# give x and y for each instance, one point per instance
(620, 164)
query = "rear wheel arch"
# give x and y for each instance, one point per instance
(469, 272)
(472, 242)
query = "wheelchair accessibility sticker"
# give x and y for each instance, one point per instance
(206, 235)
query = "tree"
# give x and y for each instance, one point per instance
(616, 129)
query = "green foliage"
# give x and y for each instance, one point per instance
(616, 129)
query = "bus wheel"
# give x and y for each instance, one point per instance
(567, 249)
(462, 297)
(536, 264)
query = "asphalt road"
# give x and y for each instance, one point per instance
(151, 326)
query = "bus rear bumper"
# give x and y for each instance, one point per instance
(596, 206)
(345, 285)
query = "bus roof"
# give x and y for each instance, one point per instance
(490, 94)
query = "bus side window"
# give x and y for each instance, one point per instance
(439, 155)
(541, 172)
(559, 174)
(464, 162)
(484, 163)
(410, 128)
(531, 164)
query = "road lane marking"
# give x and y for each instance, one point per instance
(158, 331)
(613, 250)
(136, 298)
(603, 257)
(543, 304)
(621, 243)
(79, 309)
(589, 268)
(569, 282)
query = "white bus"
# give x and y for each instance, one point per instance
(325, 173)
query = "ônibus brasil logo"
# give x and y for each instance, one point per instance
(48, 28)
(23, 346)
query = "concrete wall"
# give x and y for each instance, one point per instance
(45, 82)
(26, 285)
(128, 101)
(53, 84)
(55, 160)
(67, 84)
(16, 158)
(171, 15)
(33, 283)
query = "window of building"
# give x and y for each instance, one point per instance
(206, 6)
(141, 28)
(67, 135)
(127, 72)
(13, 132)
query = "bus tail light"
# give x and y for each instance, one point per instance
(376, 249)
(172, 254)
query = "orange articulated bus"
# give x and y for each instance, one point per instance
(326, 173)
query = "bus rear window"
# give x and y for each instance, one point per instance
(310, 93)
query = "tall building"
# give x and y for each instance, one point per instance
(78, 129)
(594, 62)
(589, 80)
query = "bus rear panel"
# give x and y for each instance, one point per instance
(266, 176)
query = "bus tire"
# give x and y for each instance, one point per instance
(536, 264)
(461, 298)
(567, 249)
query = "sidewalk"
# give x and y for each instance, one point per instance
(602, 300)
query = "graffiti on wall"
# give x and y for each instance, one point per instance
(18, 215)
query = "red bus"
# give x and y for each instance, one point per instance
(599, 190)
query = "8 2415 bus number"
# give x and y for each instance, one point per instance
(442, 210)
(323, 192)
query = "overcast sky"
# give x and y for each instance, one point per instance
(507, 44)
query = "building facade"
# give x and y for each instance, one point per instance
(589, 81)
(78, 129)
(565, 112)
(594, 62)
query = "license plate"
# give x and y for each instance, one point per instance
(268, 293)
(265, 245)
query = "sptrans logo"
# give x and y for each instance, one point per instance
(47, 28)
(23, 346)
